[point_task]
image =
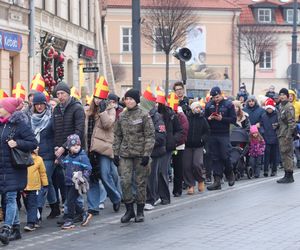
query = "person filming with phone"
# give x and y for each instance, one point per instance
(220, 113)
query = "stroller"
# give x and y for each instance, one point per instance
(239, 140)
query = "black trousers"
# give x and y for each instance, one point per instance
(219, 147)
(271, 157)
(178, 172)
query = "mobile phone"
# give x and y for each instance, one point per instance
(215, 114)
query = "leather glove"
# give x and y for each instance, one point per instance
(116, 160)
(145, 161)
(102, 106)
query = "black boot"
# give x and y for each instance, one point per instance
(55, 211)
(140, 213)
(129, 213)
(216, 185)
(284, 179)
(4, 235)
(231, 178)
(15, 233)
(290, 177)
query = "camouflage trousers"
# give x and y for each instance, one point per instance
(133, 178)
(286, 153)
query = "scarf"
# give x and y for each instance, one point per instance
(4, 120)
(39, 122)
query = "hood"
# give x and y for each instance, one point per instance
(292, 92)
(19, 116)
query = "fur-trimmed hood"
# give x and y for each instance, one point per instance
(18, 117)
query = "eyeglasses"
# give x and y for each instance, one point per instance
(178, 89)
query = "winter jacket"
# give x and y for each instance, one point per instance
(244, 122)
(103, 132)
(268, 125)
(71, 121)
(134, 134)
(46, 145)
(76, 162)
(13, 178)
(36, 174)
(198, 131)
(296, 104)
(256, 148)
(185, 127)
(227, 110)
(184, 103)
(174, 129)
(160, 134)
(286, 121)
(254, 113)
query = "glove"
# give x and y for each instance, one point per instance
(116, 160)
(145, 161)
(102, 106)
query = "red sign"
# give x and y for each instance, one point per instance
(87, 53)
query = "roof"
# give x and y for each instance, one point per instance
(203, 4)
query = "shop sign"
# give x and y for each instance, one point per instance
(87, 53)
(10, 41)
(90, 69)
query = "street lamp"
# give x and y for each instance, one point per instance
(294, 69)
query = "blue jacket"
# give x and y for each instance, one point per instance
(12, 178)
(227, 110)
(266, 128)
(254, 113)
(74, 163)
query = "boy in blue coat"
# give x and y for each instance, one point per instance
(76, 161)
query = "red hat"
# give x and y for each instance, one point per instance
(270, 104)
(11, 104)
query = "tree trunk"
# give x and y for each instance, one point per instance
(253, 79)
(167, 75)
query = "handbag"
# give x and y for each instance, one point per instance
(19, 158)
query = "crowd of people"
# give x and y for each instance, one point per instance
(127, 150)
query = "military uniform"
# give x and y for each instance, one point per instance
(134, 139)
(286, 127)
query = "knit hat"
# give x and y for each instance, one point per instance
(195, 105)
(62, 86)
(253, 129)
(11, 104)
(146, 104)
(270, 104)
(134, 94)
(38, 98)
(284, 91)
(215, 91)
(113, 97)
(73, 140)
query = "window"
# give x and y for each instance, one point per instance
(266, 60)
(264, 15)
(159, 40)
(126, 39)
(290, 16)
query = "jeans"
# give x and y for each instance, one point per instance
(79, 205)
(96, 195)
(12, 212)
(110, 178)
(32, 206)
(50, 191)
(72, 197)
(256, 163)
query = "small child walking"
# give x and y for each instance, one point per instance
(36, 179)
(77, 171)
(256, 150)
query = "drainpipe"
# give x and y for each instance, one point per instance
(232, 52)
(31, 39)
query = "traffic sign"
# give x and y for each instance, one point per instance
(90, 69)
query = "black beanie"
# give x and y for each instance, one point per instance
(39, 98)
(284, 91)
(63, 87)
(215, 91)
(134, 94)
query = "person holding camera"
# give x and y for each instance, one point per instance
(101, 121)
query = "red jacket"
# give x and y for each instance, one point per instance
(185, 126)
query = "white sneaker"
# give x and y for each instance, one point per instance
(148, 207)
(157, 202)
(101, 206)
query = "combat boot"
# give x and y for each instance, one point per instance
(216, 185)
(129, 213)
(140, 213)
(15, 233)
(4, 235)
(290, 177)
(284, 179)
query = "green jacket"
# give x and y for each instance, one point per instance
(286, 120)
(134, 134)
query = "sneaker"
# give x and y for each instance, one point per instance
(93, 212)
(37, 225)
(86, 219)
(208, 181)
(68, 225)
(157, 202)
(148, 207)
(29, 228)
(101, 206)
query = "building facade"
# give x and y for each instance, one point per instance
(213, 49)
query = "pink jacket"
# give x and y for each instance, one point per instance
(257, 148)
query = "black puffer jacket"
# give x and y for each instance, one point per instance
(198, 130)
(72, 121)
(160, 134)
(12, 178)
